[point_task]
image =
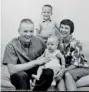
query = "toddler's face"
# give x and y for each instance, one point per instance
(65, 30)
(46, 12)
(52, 44)
(26, 31)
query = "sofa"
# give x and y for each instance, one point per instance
(84, 81)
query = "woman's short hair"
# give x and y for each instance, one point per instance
(69, 23)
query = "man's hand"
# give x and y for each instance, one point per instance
(42, 60)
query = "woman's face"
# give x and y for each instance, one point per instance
(65, 30)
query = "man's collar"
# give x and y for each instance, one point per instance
(25, 44)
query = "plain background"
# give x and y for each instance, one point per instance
(13, 11)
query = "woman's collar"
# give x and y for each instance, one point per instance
(67, 41)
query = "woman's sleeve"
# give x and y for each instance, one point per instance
(78, 45)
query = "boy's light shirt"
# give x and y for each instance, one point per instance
(47, 28)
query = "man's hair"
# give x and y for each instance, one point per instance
(47, 5)
(69, 23)
(26, 21)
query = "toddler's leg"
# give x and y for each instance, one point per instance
(38, 73)
(53, 82)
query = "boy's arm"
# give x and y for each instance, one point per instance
(60, 56)
(38, 30)
(57, 32)
(56, 25)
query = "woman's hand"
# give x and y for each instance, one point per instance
(60, 74)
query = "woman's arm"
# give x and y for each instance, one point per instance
(69, 68)
(62, 71)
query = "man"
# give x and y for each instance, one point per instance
(21, 56)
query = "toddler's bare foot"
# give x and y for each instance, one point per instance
(35, 77)
(53, 83)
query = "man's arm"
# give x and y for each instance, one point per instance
(21, 67)
(10, 59)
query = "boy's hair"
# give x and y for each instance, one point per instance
(26, 21)
(47, 5)
(69, 23)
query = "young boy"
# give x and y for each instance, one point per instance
(47, 26)
(55, 55)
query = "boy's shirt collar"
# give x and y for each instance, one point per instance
(46, 21)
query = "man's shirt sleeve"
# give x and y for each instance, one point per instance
(10, 55)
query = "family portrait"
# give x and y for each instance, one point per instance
(44, 45)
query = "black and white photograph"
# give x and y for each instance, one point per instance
(44, 45)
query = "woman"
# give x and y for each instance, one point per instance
(67, 83)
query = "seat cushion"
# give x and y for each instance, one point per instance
(83, 89)
(84, 81)
(5, 78)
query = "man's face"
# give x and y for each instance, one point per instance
(26, 31)
(65, 30)
(46, 12)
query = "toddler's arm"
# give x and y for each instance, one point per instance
(60, 56)
(41, 56)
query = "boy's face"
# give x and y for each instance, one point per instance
(26, 31)
(52, 44)
(65, 30)
(46, 12)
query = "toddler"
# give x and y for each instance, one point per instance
(55, 56)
